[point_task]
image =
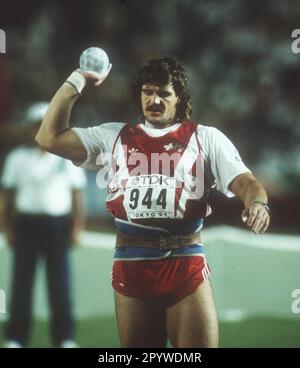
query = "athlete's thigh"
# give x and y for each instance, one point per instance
(141, 323)
(193, 321)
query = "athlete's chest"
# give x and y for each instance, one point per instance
(138, 146)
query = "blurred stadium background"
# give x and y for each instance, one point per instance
(244, 79)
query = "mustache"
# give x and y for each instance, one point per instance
(156, 108)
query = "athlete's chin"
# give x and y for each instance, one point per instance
(156, 120)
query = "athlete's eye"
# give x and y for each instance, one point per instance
(148, 91)
(163, 94)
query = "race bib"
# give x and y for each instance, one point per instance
(150, 196)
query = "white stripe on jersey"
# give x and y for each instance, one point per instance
(183, 172)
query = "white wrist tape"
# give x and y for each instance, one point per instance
(77, 81)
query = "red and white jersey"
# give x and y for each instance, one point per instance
(155, 174)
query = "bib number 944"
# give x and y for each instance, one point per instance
(150, 196)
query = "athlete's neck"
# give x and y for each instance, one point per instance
(159, 126)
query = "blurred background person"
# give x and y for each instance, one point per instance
(43, 215)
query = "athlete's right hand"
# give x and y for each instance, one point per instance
(95, 78)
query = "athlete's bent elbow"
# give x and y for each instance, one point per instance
(46, 144)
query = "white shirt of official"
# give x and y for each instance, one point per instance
(43, 182)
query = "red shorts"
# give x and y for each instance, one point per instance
(169, 280)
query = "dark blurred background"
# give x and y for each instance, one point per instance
(244, 77)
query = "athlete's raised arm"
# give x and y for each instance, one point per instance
(55, 134)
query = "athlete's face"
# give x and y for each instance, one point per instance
(159, 104)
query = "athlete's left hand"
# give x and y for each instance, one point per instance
(256, 217)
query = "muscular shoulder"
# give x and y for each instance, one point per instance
(107, 133)
(96, 139)
(108, 128)
(99, 136)
(211, 137)
(209, 133)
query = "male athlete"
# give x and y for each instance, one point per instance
(160, 173)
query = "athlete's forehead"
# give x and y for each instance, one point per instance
(155, 87)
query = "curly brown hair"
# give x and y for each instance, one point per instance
(162, 71)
